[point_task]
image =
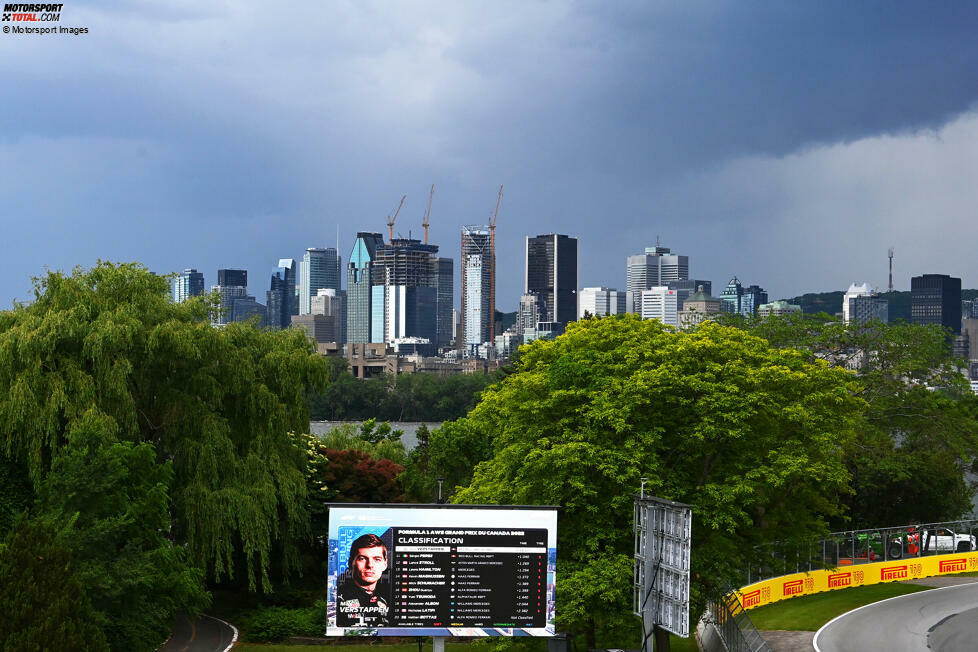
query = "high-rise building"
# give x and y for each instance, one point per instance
(658, 266)
(660, 303)
(319, 269)
(359, 305)
(936, 299)
(282, 301)
(409, 312)
(443, 274)
(753, 297)
(331, 303)
(530, 312)
(740, 300)
(189, 283)
(247, 308)
(600, 302)
(231, 284)
(408, 263)
(863, 303)
(478, 268)
(731, 295)
(551, 272)
(232, 277)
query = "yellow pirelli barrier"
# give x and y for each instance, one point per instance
(816, 581)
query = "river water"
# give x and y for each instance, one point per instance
(410, 428)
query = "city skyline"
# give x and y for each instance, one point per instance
(787, 145)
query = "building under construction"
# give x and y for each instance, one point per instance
(412, 292)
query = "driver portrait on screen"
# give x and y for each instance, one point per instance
(361, 599)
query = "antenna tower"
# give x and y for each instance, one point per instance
(890, 253)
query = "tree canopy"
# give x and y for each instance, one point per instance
(155, 444)
(751, 436)
(920, 436)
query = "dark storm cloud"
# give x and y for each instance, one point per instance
(186, 134)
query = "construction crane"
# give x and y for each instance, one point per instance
(492, 280)
(427, 213)
(391, 218)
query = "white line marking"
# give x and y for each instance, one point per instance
(234, 638)
(872, 604)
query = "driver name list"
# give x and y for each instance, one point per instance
(443, 577)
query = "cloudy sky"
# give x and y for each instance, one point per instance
(787, 143)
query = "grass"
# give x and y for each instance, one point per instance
(678, 645)
(810, 612)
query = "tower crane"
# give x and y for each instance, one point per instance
(492, 280)
(427, 213)
(392, 218)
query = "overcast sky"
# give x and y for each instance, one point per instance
(787, 143)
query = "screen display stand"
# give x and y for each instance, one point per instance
(438, 643)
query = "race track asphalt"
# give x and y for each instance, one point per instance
(935, 620)
(206, 634)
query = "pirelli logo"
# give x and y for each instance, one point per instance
(793, 588)
(893, 573)
(952, 565)
(752, 599)
(840, 580)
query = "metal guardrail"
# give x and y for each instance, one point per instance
(734, 626)
(854, 547)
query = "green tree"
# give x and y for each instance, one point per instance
(218, 403)
(110, 501)
(920, 439)
(752, 437)
(42, 602)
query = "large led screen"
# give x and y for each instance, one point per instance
(441, 570)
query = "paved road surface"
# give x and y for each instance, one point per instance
(206, 634)
(906, 623)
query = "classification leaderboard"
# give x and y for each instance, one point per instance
(444, 577)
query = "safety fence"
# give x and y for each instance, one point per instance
(857, 547)
(840, 561)
(734, 627)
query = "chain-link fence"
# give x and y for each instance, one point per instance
(854, 547)
(734, 627)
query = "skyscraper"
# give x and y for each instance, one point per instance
(188, 284)
(551, 273)
(358, 285)
(282, 303)
(423, 277)
(753, 297)
(739, 300)
(656, 267)
(936, 299)
(443, 274)
(319, 269)
(731, 295)
(231, 284)
(478, 268)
